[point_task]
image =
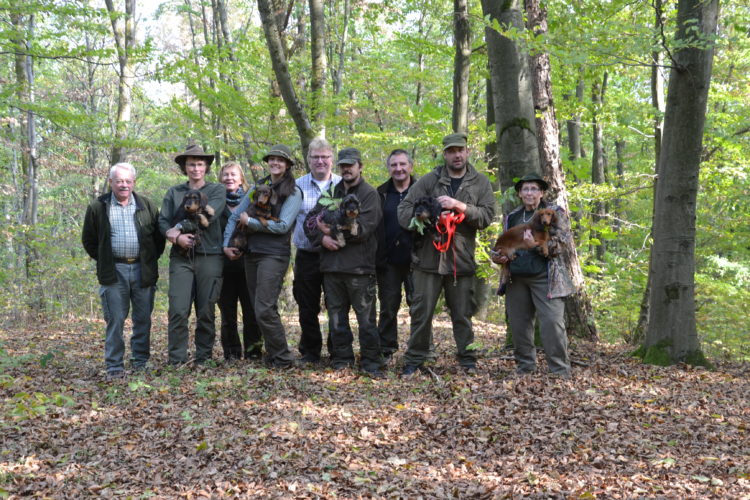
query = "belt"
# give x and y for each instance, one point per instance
(133, 260)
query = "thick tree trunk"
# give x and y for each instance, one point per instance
(123, 29)
(513, 101)
(319, 61)
(598, 161)
(283, 77)
(461, 65)
(579, 317)
(671, 335)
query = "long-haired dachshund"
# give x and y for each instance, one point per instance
(194, 214)
(543, 221)
(344, 219)
(264, 200)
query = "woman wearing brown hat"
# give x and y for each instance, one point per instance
(194, 273)
(537, 286)
(268, 252)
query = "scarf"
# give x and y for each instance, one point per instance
(233, 199)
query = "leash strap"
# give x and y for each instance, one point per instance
(446, 227)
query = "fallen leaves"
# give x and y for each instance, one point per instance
(619, 429)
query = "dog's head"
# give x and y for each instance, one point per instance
(194, 201)
(546, 217)
(350, 206)
(427, 209)
(264, 196)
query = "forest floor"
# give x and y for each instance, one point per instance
(618, 429)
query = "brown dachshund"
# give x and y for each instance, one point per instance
(264, 200)
(511, 240)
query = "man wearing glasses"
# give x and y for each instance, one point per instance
(308, 280)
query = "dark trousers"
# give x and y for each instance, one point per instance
(234, 290)
(265, 277)
(391, 278)
(308, 289)
(346, 291)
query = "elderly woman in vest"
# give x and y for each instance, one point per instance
(268, 251)
(537, 285)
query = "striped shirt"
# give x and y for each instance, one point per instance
(311, 191)
(124, 235)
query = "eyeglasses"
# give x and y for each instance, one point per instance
(320, 158)
(530, 190)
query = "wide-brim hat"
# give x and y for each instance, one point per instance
(532, 177)
(197, 152)
(454, 140)
(282, 151)
(349, 156)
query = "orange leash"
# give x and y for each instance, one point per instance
(446, 227)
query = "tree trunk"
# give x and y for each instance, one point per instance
(579, 317)
(461, 65)
(123, 29)
(283, 77)
(196, 62)
(671, 335)
(657, 101)
(598, 162)
(574, 128)
(513, 101)
(319, 62)
(338, 79)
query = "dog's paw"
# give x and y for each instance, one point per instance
(354, 230)
(203, 220)
(210, 210)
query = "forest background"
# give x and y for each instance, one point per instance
(85, 84)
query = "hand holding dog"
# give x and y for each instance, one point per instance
(232, 253)
(325, 229)
(330, 243)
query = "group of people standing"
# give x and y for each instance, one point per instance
(126, 234)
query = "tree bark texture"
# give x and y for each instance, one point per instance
(123, 30)
(672, 301)
(574, 128)
(513, 101)
(579, 317)
(598, 160)
(461, 65)
(319, 61)
(283, 77)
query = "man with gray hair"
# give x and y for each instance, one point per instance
(121, 233)
(308, 280)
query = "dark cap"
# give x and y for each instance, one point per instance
(532, 177)
(282, 151)
(457, 140)
(195, 151)
(349, 156)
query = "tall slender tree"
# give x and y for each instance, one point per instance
(461, 65)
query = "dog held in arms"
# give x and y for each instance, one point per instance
(542, 225)
(264, 200)
(194, 214)
(423, 223)
(345, 219)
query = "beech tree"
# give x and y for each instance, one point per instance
(671, 335)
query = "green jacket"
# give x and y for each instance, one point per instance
(211, 237)
(476, 192)
(96, 239)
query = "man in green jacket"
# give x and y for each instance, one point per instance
(468, 204)
(121, 233)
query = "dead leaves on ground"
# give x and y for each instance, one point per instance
(619, 429)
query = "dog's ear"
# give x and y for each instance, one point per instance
(204, 200)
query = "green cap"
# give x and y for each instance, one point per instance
(457, 140)
(280, 150)
(532, 177)
(349, 156)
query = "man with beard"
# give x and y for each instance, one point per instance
(468, 204)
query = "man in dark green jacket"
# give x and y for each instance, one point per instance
(121, 233)
(467, 195)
